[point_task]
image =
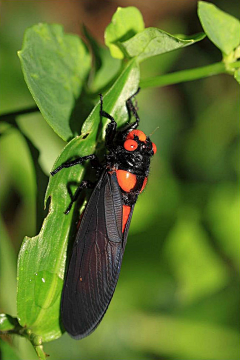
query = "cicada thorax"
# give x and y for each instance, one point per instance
(132, 167)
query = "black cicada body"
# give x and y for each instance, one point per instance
(101, 238)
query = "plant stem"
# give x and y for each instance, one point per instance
(157, 81)
(189, 75)
(10, 117)
(35, 340)
(10, 326)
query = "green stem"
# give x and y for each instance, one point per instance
(157, 81)
(189, 75)
(10, 117)
(10, 326)
(35, 340)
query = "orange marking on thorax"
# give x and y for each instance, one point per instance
(126, 180)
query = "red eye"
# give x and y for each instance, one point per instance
(138, 133)
(130, 145)
(154, 148)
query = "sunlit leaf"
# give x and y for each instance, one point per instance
(153, 41)
(126, 22)
(221, 28)
(55, 66)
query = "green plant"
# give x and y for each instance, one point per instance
(57, 70)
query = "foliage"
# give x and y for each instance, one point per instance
(57, 70)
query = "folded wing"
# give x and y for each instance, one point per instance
(96, 259)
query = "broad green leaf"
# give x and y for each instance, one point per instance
(55, 66)
(153, 41)
(126, 22)
(41, 262)
(221, 28)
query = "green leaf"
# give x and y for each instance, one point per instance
(126, 22)
(41, 262)
(153, 41)
(221, 28)
(55, 66)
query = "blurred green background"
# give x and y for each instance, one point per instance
(178, 293)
